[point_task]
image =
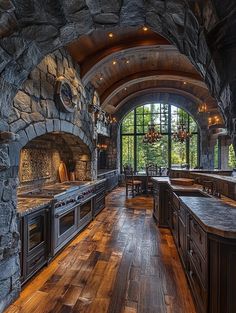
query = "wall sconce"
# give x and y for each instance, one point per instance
(214, 120)
(202, 108)
(112, 120)
(102, 146)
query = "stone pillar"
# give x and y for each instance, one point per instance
(9, 235)
(113, 155)
(207, 144)
(225, 142)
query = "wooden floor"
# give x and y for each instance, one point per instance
(121, 263)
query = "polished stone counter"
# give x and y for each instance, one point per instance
(214, 216)
(105, 171)
(193, 170)
(166, 180)
(27, 203)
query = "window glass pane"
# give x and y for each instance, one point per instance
(128, 150)
(156, 153)
(158, 115)
(192, 125)
(128, 123)
(232, 158)
(178, 154)
(216, 155)
(193, 151)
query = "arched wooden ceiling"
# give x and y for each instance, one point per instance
(135, 60)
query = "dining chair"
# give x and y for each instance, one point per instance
(130, 182)
(151, 170)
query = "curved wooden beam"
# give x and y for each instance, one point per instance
(151, 92)
(126, 82)
(116, 52)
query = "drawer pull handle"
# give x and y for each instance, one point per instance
(36, 261)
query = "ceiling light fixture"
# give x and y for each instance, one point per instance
(114, 62)
(110, 35)
(127, 61)
(202, 108)
(185, 83)
(152, 135)
(145, 28)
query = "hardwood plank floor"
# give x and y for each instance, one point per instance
(121, 263)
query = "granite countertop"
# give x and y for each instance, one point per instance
(213, 215)
(28, 205)
(229, 179)
(166, 180)
(105, 171)
(200, 170)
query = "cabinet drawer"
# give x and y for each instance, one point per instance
(198, 235)
(35, 263)
(199, 292)
(99, 205)
(198, 262)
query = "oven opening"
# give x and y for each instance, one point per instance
(35, 232)
(66, 222)
(85, 209)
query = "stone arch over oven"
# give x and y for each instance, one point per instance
(50, 126)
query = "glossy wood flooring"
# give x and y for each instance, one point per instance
(121, 263)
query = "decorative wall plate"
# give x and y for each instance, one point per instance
(64, 96)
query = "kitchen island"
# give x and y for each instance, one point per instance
(204, 231)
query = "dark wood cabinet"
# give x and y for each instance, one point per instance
(99, 199)
(111, 177)
(209, 260)
(161, 201)
(35, 237)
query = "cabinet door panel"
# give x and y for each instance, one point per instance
(198, 235)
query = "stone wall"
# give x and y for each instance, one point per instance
(34, 114)
(30, 30)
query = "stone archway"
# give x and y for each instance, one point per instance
(173, 98)
(32, 30)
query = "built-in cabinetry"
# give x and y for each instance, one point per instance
(160, 213)
(99, 199)
(111, 177)
(46, 230)
(208, 259)
(35, 238)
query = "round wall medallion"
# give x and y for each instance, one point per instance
(64, 97)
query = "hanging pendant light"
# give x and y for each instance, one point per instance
(181, 134)
(152, 135)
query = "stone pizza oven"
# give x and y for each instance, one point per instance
(40, 159)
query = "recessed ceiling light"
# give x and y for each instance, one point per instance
(127, 61)
(110, 35)
(114, 62)
(145, 28)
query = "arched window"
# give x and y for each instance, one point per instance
(166, 152)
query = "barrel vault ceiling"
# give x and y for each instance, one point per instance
(131, 61)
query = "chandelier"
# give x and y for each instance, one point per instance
(181, 134)
(152, 135)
